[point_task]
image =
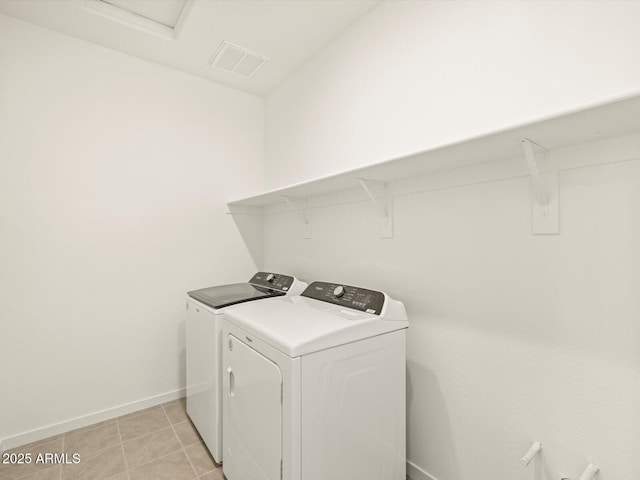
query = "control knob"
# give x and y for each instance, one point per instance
(338, 291)
(271, 277)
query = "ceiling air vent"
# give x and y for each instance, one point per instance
(241, 61)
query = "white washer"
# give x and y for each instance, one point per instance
(205, 309)
(315, 387)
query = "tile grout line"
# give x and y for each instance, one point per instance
(136, 414)
(181, 445)
(64, 436)
(38, 470)
(126, 464)
(155, 459)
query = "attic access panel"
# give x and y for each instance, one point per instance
(160, 17)
(166, 12)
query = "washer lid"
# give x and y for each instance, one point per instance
(225, 295)
(261, 285)
(298, 325)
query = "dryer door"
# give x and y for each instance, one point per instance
(252, 414)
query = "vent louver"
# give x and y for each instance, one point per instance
(238, 60)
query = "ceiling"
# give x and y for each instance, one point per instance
(187, 33)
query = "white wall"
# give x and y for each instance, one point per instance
(412, 75)
(113, 176)
(513, 338)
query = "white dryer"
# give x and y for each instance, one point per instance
(205, 309)
(315, 387)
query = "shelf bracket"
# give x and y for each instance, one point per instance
(546, 218)
(383, 205)
(302, 213)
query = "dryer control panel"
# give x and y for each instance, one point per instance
(368, 301)
(272, 281)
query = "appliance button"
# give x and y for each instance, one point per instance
(271, 277)
(339, 291)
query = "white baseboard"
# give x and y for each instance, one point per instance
(78, 422)
(414, 472)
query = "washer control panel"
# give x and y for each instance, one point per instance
(272, 281)
(368, 301)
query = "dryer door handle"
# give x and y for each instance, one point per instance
(232, 382)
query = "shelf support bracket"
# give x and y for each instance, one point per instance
(546, 217)
(302, 213)
(383, 205)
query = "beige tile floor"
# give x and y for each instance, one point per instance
(154, 444)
